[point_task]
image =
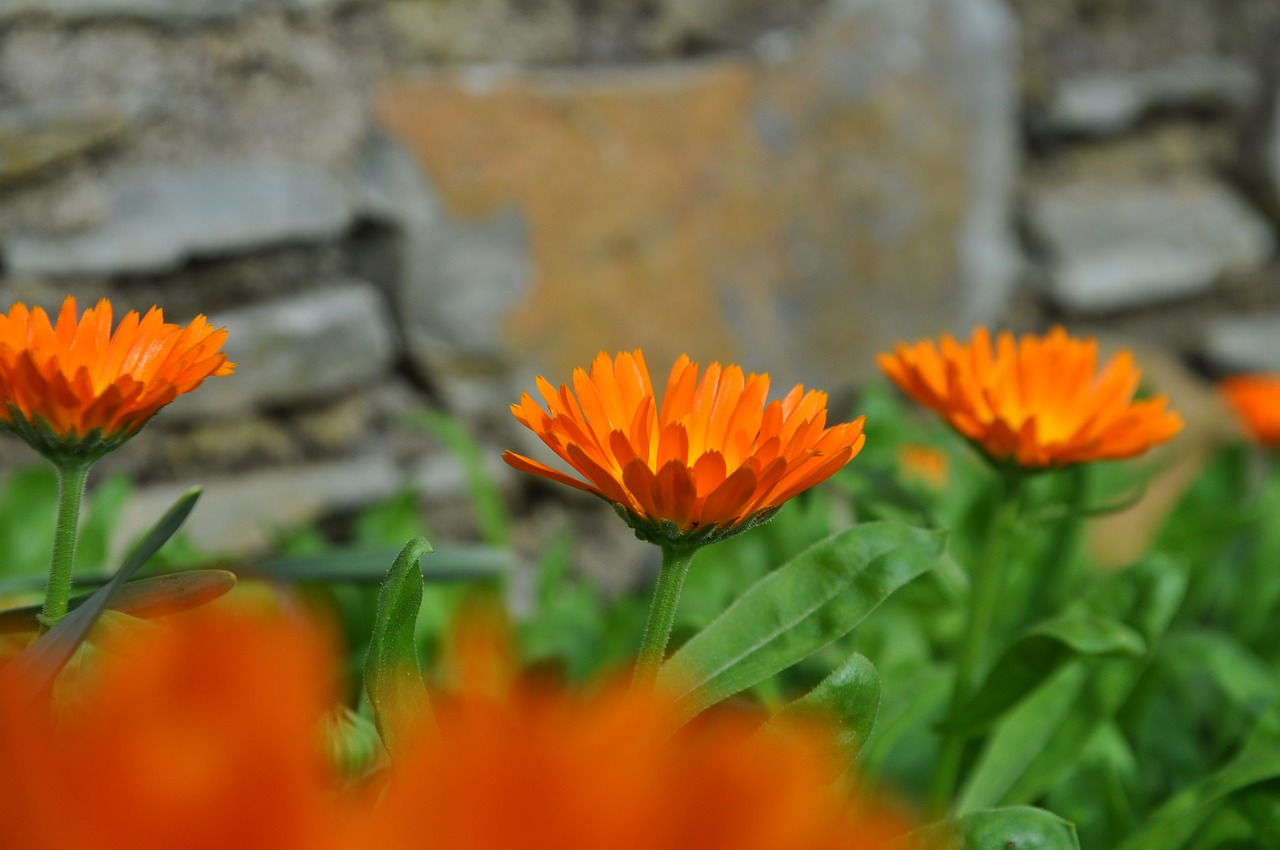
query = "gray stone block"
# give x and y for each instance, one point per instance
(1115, 246)
(158, 11)
(299, 350)
(239, 514)
(160, 217)
(1243, 343)
(1101, 104)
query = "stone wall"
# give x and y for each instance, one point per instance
(399, 203)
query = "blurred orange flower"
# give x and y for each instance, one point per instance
(516, 765)
(711, 457)
(1036, 401)
(925, 464)
(201, 737)
(75, 386)
(1256, 401)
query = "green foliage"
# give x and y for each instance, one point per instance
(40, 662)
(1020, 827)
(1036, 655)
(1139, 704)
(796, 610)
(392, 677)
(28, 501)
(491, 512)
(849, 697)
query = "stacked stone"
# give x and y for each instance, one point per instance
(213, 156)
(393, 202)
(1149, 193)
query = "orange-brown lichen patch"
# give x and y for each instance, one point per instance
(726, 208)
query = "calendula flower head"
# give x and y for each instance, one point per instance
(708, 459)
(515, 764)
(924, 464)
(200, 735)
(74, 389)
(1034, 402)
(1256, 402)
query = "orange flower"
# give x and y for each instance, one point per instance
(1256, 401)
(925, 464)
(75, 387)
(1037, 401)
(515, 765)
(709, 459)
(200, 736)
(203, 736)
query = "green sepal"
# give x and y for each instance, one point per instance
(667, 533)
(62, 448)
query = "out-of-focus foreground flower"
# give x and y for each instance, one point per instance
(1035, 401)
(199, 737)
(76, 388)
(517, 765)
(1256, 401)
(710, 456)
(205, 737)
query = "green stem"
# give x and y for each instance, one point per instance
(71, 481)
(1060, 567)
(662, 615)
(987, 576)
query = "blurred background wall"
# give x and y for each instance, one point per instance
(394, 203)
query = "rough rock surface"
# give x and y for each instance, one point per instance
(1114, 246)
(1243, 343)
(304, 349)
(567, 31)
(239, 514)
(1103, 103)
(796, 211)
(159, 217)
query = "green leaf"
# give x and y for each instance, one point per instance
(1021, 736)
(1037, 655)
(392, 677)
(1041, 739)
(814, 599)
(1243, 678)
(40, 662)
(1021, 827)
(368, 564)
(28, 501)
(146, 598)
(850, 697)
(1177, 821)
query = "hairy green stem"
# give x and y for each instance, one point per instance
(662, 614)
(71, 481)
(987, 579)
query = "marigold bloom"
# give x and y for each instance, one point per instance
(75, 387)
(925, 464)
(710, 457)
(203, 736)
(200, 736)
(1256, 401)
(1036, 401)
(514, 765)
